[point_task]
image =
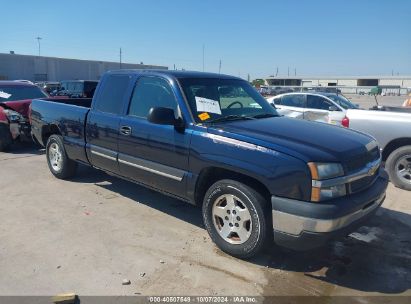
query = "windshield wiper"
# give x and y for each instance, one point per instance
(231, 118)
(265, 115)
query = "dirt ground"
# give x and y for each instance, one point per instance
(88, 234)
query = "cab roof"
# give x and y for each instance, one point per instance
(176, 74)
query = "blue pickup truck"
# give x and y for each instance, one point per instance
(212, 140)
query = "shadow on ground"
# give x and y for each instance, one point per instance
(376, 259)
(24, 148)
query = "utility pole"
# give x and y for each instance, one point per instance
(276, 73)
(219, 67)
(203, 56)
(288, 71)
(295, 72)
(121, 54)
(38, 40)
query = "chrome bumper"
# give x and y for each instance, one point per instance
(295, 225)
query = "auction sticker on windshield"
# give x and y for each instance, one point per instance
(207, 105)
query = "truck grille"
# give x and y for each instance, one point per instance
(363, 183)
(360, 162)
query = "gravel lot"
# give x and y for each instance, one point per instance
(88, 234)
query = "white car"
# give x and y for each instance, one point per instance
(316, 106)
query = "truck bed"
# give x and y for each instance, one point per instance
(80, 102)
(70, 115)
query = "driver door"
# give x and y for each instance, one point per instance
(152, 154)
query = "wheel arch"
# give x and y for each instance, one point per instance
(210, 175)
(394, 145)
(47, 131)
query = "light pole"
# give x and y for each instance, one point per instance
(121, 57)
(38, 40)
(203, 56)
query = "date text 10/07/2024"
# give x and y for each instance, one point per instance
(202, 299)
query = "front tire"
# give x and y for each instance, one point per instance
(59, 164)
(237, 218)
(398, 165)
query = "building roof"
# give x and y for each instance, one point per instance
(341, 77)
(85, 60)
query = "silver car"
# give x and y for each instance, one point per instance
(316, 106)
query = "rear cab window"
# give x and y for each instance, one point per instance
(112, 93)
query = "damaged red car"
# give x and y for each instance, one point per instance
(15, 100)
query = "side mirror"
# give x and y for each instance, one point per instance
(332, 108)
(163, 116)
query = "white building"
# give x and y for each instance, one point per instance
(347, 84)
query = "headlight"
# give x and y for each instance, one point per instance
(325, 193)
(320, 171)
(13, 116)
(324, 171)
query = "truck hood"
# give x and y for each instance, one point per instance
(308, 141)
(20, 106)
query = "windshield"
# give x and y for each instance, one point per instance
(13, 93)
(343, 102)
(214, 99)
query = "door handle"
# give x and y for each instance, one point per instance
(125, 130)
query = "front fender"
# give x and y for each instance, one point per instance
(283, 175)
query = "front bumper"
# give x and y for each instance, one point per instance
(304, 225)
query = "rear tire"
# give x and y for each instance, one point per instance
(237, 218)
(59, 164)
(398, 166)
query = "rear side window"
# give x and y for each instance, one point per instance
(151, 92)
(112, 93)
(293, 101)
(277, 101)
(317, 102)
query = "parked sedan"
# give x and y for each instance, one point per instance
(316, 106)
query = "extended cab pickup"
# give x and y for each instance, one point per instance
(213, 141)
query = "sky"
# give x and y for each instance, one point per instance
(302, 37)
